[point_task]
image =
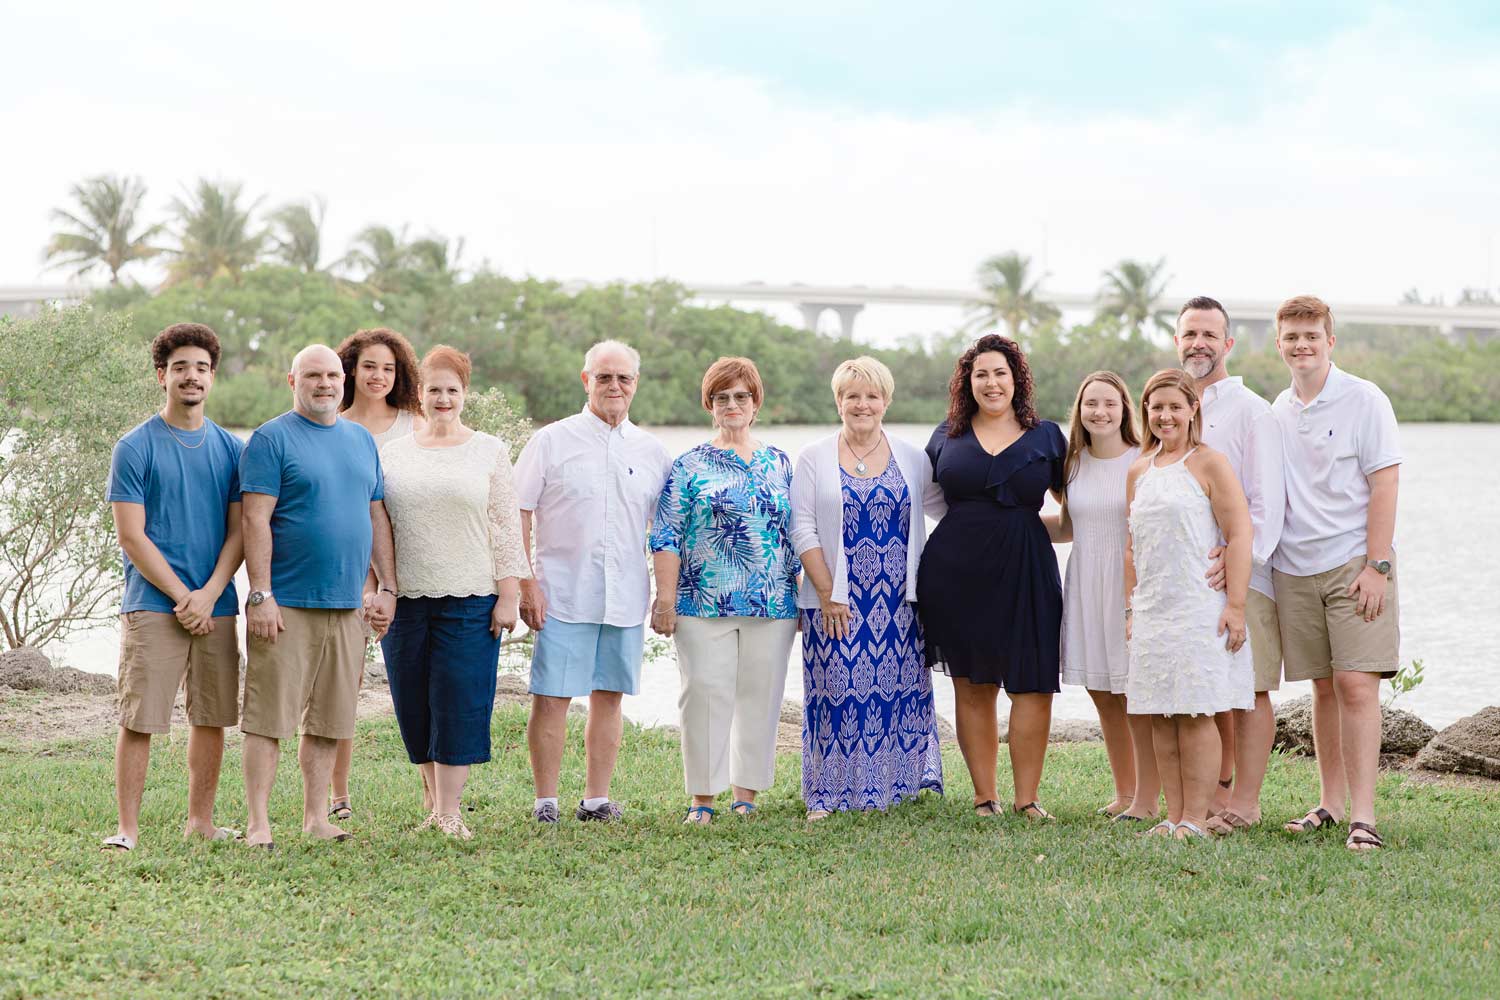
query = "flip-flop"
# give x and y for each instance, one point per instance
(736, 807)
(269, 846)
(694, 811)
(341, 838)
(1166, 826)
(119, 842)
(1193, 831)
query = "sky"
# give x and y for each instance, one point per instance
(1264, 149)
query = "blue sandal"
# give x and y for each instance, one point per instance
(749, 807)
(699, 811)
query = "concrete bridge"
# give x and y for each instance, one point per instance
(1251, 317)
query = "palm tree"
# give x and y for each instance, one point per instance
(435, 255)
(381, 254)
(297, 233)
(1131, 293)
(215, 234)
(103, 230)
(1008, 297)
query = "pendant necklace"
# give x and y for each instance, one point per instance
(170, 430)
(859, 460)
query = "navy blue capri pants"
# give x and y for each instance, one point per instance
(440, 659)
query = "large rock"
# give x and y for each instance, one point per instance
(1470, 746)
(1401, 733)
(28, 669)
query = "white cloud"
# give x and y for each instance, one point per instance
(559, 140)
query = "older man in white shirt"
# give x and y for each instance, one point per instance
(1335, 571)
(587, 487)
(1239, 423)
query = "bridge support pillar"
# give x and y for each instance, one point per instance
(813, 311)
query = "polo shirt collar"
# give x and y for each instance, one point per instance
(1227, 384)
(601, 425)
(1334, 386)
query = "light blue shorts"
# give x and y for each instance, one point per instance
(574, 659)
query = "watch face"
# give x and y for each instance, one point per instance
(257, 597)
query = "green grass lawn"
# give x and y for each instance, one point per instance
(925, 901)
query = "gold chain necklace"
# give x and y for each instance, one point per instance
(201, 437)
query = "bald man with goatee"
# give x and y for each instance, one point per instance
(314, 525)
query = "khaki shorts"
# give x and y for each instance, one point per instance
(1321, 631)
(157, 654)
(308, 679)
(1265, 641)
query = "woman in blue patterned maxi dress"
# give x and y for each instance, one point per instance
(870, 728)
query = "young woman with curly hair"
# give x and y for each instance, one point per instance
(382, 395)
(988, 590)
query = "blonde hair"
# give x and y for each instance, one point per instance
(1172, 378)
(1078, 435)
(863, 369)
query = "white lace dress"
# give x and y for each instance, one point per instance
(1177, 665)
(1093, 623)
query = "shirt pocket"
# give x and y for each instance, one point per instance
(580, 480)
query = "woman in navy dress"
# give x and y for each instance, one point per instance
(988, 589)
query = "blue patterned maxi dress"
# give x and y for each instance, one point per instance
(869, 733)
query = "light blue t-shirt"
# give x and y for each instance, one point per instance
(186, 487)
(323, 478)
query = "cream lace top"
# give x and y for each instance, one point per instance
(454, 516)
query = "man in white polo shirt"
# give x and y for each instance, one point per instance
(1335, 572)
(1239, 423)
(587, 485)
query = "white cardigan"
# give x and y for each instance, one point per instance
(818, 512)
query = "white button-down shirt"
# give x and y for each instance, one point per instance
(1239, 423)
(1332, 444)
(592, 489)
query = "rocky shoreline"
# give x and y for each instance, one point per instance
(43, 706)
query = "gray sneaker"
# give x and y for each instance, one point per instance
(545, 813)
(607, 813)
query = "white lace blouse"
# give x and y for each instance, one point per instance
(454, 516)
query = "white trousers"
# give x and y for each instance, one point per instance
(733, 679)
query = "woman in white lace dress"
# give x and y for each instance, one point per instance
(1184, 636)
(459, 563)
(1102, 444)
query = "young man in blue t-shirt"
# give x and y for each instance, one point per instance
(175, 493)
(315, 525)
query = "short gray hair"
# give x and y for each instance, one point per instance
(607, 346)
(864, 369)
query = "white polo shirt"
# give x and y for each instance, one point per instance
(1332, 444)
(1239, 423)
(593, 490)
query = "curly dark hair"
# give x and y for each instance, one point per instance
(405, 394)
(184, 335)
(961, 402)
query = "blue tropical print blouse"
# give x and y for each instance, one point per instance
(730, 523)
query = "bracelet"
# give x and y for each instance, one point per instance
(388, 590)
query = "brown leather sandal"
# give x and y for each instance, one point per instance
(1306, 824)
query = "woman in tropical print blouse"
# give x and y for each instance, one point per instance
(726, 591)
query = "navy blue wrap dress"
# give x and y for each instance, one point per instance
(988, 590)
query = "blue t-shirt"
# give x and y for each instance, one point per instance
(323, 478)
(186, 492)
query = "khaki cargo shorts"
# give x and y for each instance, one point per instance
(1321, 630)
(308, 679)
(1265, 640)
(158, 655)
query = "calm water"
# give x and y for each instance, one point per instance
(1447, 531)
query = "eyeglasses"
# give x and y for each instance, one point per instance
(725, 398)
(625, 381)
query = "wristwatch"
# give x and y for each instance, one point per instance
(257, 597)
(1381, 566)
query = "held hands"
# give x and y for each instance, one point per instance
(195, 612)
(1368, 590)
(1233, 622)
(1217, 576)
(263, 620)
(664, 615)
(835, 616)
(533, 605)
(379, 608)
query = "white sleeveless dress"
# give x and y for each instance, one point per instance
(1093, 623)
(400, 428)
(1177, 665)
